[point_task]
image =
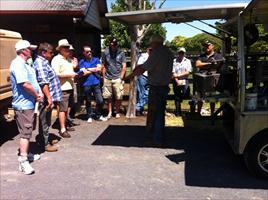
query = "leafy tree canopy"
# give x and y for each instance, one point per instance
(121, 32)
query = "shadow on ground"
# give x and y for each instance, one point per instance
(9, 130)
(209, 160)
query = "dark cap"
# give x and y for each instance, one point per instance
(207, 43)
(114, 42)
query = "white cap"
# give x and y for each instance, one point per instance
(63, 43)
(24, 44)
(182, 49)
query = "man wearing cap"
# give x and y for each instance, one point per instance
(182, 67)
(91, 68)
(26, 92)
(114, 62)
(65, 71)
(204, 63)
(159, 67)
(50, 86)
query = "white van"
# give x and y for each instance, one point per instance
(8, 40)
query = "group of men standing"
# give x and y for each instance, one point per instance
(49, 82)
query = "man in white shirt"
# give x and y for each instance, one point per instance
(142, 84)
(182, 67)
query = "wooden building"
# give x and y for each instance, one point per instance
(80, 21)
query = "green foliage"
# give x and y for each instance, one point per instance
(261, 44)
(121, 32)
(194, 44)
(154, 29)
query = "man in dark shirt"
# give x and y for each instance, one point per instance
(208, 63)
(114, 62)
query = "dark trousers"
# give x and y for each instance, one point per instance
(44, 124)
(155, 123)
(89, 92)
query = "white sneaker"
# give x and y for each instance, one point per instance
(104, 119)
(33, 157)
(109, 116)
(89, 120)
(117, 115)
(25, 167)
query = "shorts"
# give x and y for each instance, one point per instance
(111, 87)
(24, 120)
(67, 100)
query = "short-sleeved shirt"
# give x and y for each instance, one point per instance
(113, 62)
(141, 59)
(91, 79)
(159, 66)
(20, 73)
(46, 75)
(62, 66)
(205, 58)
(181, 67)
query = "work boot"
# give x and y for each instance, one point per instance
(51, 148)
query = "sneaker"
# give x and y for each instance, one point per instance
(25, 167)
(109, 116)
(104, 119)
(33, 157)
(117, 116)
(89, 120)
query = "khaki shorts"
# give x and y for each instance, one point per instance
(111, 87)
(67, 100)
(25, 120)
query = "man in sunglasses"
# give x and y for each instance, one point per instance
(91, 68)
(65, 71)
(114, 62)
(209, 62)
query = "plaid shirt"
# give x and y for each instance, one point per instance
(46, 75)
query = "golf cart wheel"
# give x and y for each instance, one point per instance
(256, 155)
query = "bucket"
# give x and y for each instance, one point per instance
(251, 101)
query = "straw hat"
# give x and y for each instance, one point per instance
(63, 43)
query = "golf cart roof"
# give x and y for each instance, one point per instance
(178, 15)
(256, 12)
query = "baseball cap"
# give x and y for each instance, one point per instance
(182, 49)
(207, 43)
(24, 44)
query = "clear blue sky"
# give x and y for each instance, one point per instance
(183, 29)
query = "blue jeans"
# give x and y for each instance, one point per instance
(142, 92)
(155, 123)
(96, 91)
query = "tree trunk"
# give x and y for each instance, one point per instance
(131, 110)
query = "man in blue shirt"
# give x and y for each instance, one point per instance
(50, 86)
(26, 93)
(91, 68)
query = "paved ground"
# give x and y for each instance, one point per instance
(108, 160)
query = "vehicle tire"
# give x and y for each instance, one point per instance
(256, 155)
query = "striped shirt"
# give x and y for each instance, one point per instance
(46, 75)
